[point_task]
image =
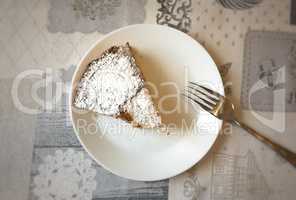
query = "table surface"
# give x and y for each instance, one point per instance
(253, 48)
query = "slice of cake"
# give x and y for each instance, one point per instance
(114, 85)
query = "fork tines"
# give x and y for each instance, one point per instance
(204, 97)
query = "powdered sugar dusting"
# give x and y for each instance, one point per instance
(109, 82)
(143, 111)
(113, 85)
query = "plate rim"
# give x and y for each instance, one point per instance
(72, 88)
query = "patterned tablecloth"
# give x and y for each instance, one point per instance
(41, 41)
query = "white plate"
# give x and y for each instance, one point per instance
(164, 54)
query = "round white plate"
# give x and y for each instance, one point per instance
(168, 58)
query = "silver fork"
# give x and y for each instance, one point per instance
(222, 108)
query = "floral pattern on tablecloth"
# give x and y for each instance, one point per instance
(65, 175)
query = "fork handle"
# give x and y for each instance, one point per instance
(284, 152)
